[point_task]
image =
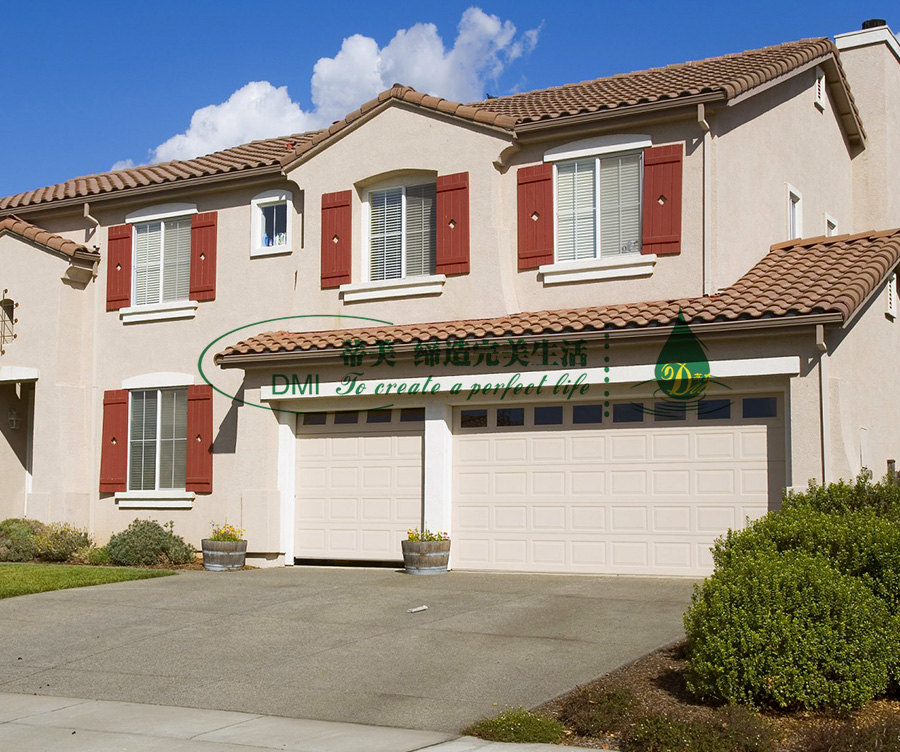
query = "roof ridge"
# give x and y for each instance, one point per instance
(832, 239)
(657, 69)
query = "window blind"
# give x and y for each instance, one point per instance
(620, 205)
(147, 262)
(172, 438)
(420, 225)
(142, 433)
(386, 234)
(176, 259)
(576, 220)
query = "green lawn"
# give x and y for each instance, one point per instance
(22, 579)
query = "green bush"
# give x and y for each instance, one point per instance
(858, 542)
(18, 539)
(787, 630)
(90, 554)
(736, 730)
(146, 542)
(598, 713)
(882, 497)
(59, 541)
(518, 725)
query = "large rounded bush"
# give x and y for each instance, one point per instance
(787, 630)
(18, 539)
(146, 542)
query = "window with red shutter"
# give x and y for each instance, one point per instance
(661, 222)
(199, 465)
(204, 237)
(535, 216)
(452, 243)
(336, 248)
(114, 449)
(118, 267)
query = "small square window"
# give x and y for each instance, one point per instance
(473, 419)
(510, 416)
(586, 414)
(412, 415)
(314, 419)
(669, 411)
(628, 412)
(346, 417)
(760, 407)
(714, 409)
(378, 416)
(551, 415)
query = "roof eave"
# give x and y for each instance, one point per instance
(263, 360)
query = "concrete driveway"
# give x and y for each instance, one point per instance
(336, 644)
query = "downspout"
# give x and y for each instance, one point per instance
(824, 401)
(93, 220)
(707, 147)
(94, 390)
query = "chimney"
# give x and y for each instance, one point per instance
(873, 23)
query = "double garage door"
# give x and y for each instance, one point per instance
(547, 489)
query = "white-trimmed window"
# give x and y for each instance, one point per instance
(794, 213)
(401, 232)
(157, 439)
(270, 224)
(598, 206)
(162, 261)
(831, 226)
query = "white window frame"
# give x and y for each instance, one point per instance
(819, 89)
(164, 310)
(158, 498)
(794, 218)
(830, 224)
(257, 204)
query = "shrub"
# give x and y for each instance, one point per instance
(859, 543)
(90, 555)
(18, 539)
(598, 713)
(518, 725)
(883, 497)
(60, 540)
(146, 542)
(736, 730)
(788, 631)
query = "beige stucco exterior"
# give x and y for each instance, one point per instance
(756, 147)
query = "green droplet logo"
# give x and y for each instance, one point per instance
(682, 370)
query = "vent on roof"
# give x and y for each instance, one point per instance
(874, 23)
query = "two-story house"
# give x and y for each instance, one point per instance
(467, 316)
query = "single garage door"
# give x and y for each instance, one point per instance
(358, 484)
(636, 488)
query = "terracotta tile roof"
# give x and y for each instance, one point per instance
(265, 153)
(729, 75)
(803, 277)
(27, 231)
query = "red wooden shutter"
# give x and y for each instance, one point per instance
(452, 231)
(204, 232)
(198, 475)
(336, 248)
(536, 221)
(118, 267)
(114, 450)
(662, 200)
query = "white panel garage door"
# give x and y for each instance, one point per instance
(635, 498)
(358, 490)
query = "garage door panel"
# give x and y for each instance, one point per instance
(371, 495)
(647, 499)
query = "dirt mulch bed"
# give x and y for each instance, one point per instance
(657, 683)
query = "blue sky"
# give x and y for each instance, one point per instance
(92, 84)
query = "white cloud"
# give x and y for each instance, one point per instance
(122, 164)
(484, 47)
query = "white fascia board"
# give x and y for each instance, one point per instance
(16, 374)
(722, 369)
(158, 380)
(864, 37)
(160, 211)
(591, 147)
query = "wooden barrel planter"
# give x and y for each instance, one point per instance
(426, 557)
(221, 555)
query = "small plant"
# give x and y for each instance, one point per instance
(60, 540)
(882, 735)
(788, 631)
(91, 555)
(738, 731)
(599, 713)
(146, 542)
(426, 535)
(18, 539)
(518, 725)
(226, 532)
